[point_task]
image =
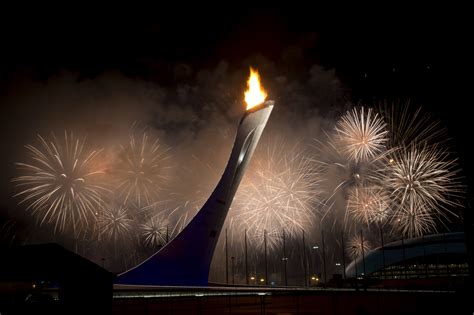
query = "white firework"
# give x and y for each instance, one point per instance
(141, 170)
(368, 205)
(279, 193)
(155, 231)
(414, 222)
(424, 183)
(61, 183)
(362, 133)
(115, 223)
(357, 246)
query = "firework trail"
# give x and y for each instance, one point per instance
(8, 233)
(61, 184)
(280, 192)
(423, 183)
(408, 126)
(362, 134)
(141, 171)
(115, 223)
(356, 246)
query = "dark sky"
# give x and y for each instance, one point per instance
(387, 53)
(391, 54)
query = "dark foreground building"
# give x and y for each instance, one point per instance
(48, 279)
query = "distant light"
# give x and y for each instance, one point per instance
(252, 278)
(34, 285)
(262, 280)
(315, 247)
(338, 264)
(261, 293)
(199, 294)
(313, 278)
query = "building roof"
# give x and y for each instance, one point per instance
(396, 252)
(49, 262)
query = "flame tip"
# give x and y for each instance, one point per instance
(255, 94)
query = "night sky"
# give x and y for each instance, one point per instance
(391, 55)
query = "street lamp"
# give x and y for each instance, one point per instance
(315, 248)
(314, 280)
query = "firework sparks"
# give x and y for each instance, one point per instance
(414, 222)
(60, 184)
(422, 183)
(115, 223)
(409, 126)
(155, 232)
(363, 134)
(279, 194)
(344, 177)
(141, 171)
(368, 205)
(356, 246)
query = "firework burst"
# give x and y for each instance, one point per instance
(356, 246)
(368, 205)
(115, 223)
(414, 222)
(141, 170)
(345, 179)
(362, 133)
(423, 182)
(61, 184)
(279, 193)
(155, 231)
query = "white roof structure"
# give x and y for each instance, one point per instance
(396, 252)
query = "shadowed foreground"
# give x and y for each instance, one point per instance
(289, 302)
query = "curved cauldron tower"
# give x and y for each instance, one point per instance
(185, 261)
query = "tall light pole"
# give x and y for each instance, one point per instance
(285, 259)
(305, 263)
(355, 265)
(233, 274)
(363, 251)
(343, 255)
(266, 262)
(324, 257)
(315, 267)
(226, 260)
(246, 261)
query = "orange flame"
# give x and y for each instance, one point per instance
(255, 94)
